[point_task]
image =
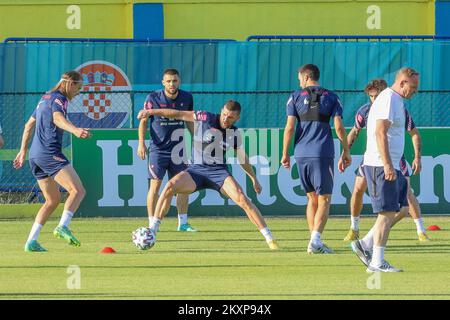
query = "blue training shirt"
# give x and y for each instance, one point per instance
(48, 137)
(161, 129)
(211, 141)
(313, 138)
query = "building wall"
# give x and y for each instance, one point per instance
(442, 18)
(239, 19)
(221, 19)
(43, 18)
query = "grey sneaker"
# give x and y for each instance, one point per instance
(364, 255)
(318, 249)
(385, 267)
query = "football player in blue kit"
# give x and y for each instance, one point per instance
(214, 134)
(373, 89)
(48, 164)
(165, 134)
(311, 109)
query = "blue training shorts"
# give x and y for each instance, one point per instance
(159, 163)
(207, 176)
(386, 195)
(403, 169)
(47, 166)
(316, 174)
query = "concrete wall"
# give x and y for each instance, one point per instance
(228, 19)
(43, 18)
(239, 19)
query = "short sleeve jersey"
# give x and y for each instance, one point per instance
(387, 106)
(48, 137)
(313, 138)
(163, 136)
(211, 141)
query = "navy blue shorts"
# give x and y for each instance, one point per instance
(47, 166)
(160, 163)
(403, 169)
(208, 177)
(386, 195)
(316, 174)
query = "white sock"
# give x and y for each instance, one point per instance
(367, 241)
(419, 225)
(266, 233)
(150, 219)
(65, 218)
(154, 224)
(35, 231)
(354, 223)
(315, 237)
(378, 256)
(182, 218)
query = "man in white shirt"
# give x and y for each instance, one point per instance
(387, 186)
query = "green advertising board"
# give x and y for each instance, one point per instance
(116, 179)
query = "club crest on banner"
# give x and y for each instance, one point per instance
(102, 105)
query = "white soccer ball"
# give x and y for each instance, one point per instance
(143, 238)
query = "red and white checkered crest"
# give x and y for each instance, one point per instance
(96, 103)
(105, 101)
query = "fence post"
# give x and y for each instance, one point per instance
(132, 109)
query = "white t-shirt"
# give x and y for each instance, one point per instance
(387, 106)
(1, 129)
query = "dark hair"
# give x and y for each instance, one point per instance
(233, 105)
(171, 71)
(376, 84)
(311, 70)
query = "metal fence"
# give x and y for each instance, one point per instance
(344, 38)
(260, 73)
(261, 109)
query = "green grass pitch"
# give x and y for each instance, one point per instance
(227, 259)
